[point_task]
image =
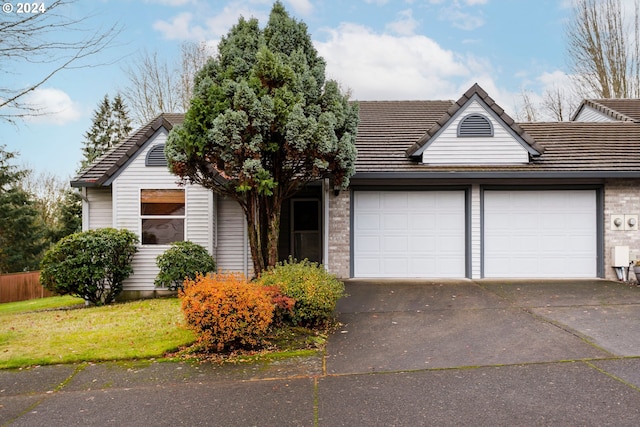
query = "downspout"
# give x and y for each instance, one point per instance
(85, 208)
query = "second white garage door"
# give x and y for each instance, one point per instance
(409, 234)
(544, 234)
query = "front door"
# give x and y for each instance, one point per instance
(306, 239)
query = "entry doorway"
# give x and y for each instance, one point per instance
(306, 236)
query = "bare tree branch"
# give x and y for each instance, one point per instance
(157, 86)
(51, 38)
(604, 60)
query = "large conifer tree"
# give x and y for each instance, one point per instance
(111, 123)
(21, 235)
(263, 122)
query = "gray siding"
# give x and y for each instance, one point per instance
(97, 209)
(126, 190)
(589, 114)
(449, 148)
(233, 253)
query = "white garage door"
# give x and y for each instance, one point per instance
(543, 234)
(409, 234)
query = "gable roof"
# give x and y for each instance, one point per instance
(387, 128)
(107, 165)
(617, 109)
(476, 92)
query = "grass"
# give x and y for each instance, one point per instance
(134, 330)
(40, 304)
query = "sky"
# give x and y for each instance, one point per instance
(375, 49)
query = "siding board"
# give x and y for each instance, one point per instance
(233, 247)
(100, 208)
(449, 148)
(589, 114)
(126, 192)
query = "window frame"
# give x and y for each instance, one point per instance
(142, 217)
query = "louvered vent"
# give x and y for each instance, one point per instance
(475, 125)
(155, 156)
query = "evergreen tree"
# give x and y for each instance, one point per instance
(21, 233)
(111, 123)
(121, 121)
(264, 118)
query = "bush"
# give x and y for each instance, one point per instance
(314, 290)
(90, 264)
(184, 260)
(225, 311)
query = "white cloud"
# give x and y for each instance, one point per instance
(220, 24)
(180, 27)
(405, 24)
(303, 7)
(189, 26)
(381, 66)
(461, 19)
(54, 107)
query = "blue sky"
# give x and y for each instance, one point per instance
(377, 49)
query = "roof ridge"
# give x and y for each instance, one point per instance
(109, 162)
(596, 104)
(474, 90)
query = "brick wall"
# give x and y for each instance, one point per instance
(339, 232)
(621, 196)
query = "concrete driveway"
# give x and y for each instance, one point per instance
(482, 353)
(408, 325)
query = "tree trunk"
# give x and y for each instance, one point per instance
(262, 213)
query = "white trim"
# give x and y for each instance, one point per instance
(141, 217)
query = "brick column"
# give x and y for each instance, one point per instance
(339, 234)
(621, 196)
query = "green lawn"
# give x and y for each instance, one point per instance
(140, 329)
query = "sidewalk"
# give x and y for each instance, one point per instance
(451, 353)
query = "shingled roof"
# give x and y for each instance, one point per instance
(107, 165)
(617, 109)
(388, 128)
(473, 91)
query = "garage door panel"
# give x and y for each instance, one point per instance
(395, 266)
(540, 233)
(417, 234)
(419, 222)
(395, 222)
(423, 244)
(369, 221)
(368, 244)
(393, 201)
(395, 244)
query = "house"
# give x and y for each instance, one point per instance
(442, 189)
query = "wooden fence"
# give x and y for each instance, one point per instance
(21, 287)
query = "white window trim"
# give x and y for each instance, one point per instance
(143, 217)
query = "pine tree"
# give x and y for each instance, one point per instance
(120, 118)
(111, 123)
(21, 234)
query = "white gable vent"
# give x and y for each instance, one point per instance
(155, 156)
(475, 125)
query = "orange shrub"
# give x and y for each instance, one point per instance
(226, 311)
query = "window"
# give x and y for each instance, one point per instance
(163, 213)
(475, 125)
